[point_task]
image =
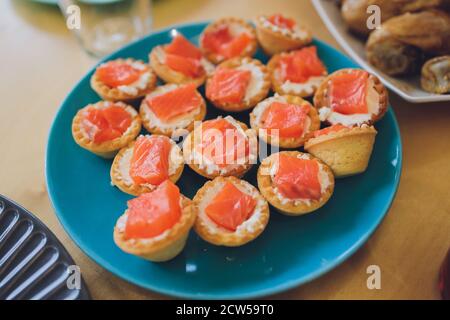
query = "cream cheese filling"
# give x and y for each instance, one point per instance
(107, 104)
(207, 164)
(175, 161)
(180, 122)
(323, 176)
(296, 33)
(256, 81)
(373, 106)
(248, 225)
(258, 111)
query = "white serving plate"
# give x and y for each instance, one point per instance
(406, 87)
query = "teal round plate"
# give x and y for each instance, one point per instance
(291, 251)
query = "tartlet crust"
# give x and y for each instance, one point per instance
(321, 95)
(239, 171)
(244, 105)
(170, 132)
(217, 58)
(171, 76)
(274, 41)
(347, 152)
(133, 188)
(288, 143)
(277, 84)
(223, 237)
(291, 208)
(160, 249)
(114, 94)
(107, 149)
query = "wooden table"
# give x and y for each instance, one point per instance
(41, 61)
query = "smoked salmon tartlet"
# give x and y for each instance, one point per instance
(298, 72)
(172, 109)
(277, 33)
(230, 212)
(123, 80)
(156, 224)
(228, 38)
(221, 147)
(284, 121)
(238, 84)
(180, 62)
(145, 163)
(105, 127)
(346, 150)
(295, 183)
(351, 97)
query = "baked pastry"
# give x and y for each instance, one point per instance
(284, 121)
(397, 47)
(297, 73)
(221, 147)
(351, 97)
(145, 163)
(435, 75)
(345, 150)
(230, 212)
(180, 62)
(156, 224)
(277, 33)
(295, 183)
(228, 38)
(172, 109)
(105, 127)
(123, 80)
(238, 84)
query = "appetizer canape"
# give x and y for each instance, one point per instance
(351, 97)
(284, 121)
(230, 212)
(220, 147)
(435, 76)
(180, 62)
(156, 224)
(295, 183)
(105, 127)
(297, 73)
(172, 109)
(228, 38)
(145, 163)
(123, 80)
(345, 150)
(277, 33)
(238, 84)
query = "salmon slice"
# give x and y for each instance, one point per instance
(150, 160)
(187, 66)
(152, 213)
(348, 92)
(228, 85)
(115, 73)
(106, 124)
(181, 46)
(169, 105)
(236, 46)
(289, 119)
(300, 65)
(222, 143)
(282, 22)
(333, 128)
(222, 42)
(298, 178)
(230, 207)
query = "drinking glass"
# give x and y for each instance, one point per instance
(103, 26)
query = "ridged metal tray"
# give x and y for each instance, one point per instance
(34, 265)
